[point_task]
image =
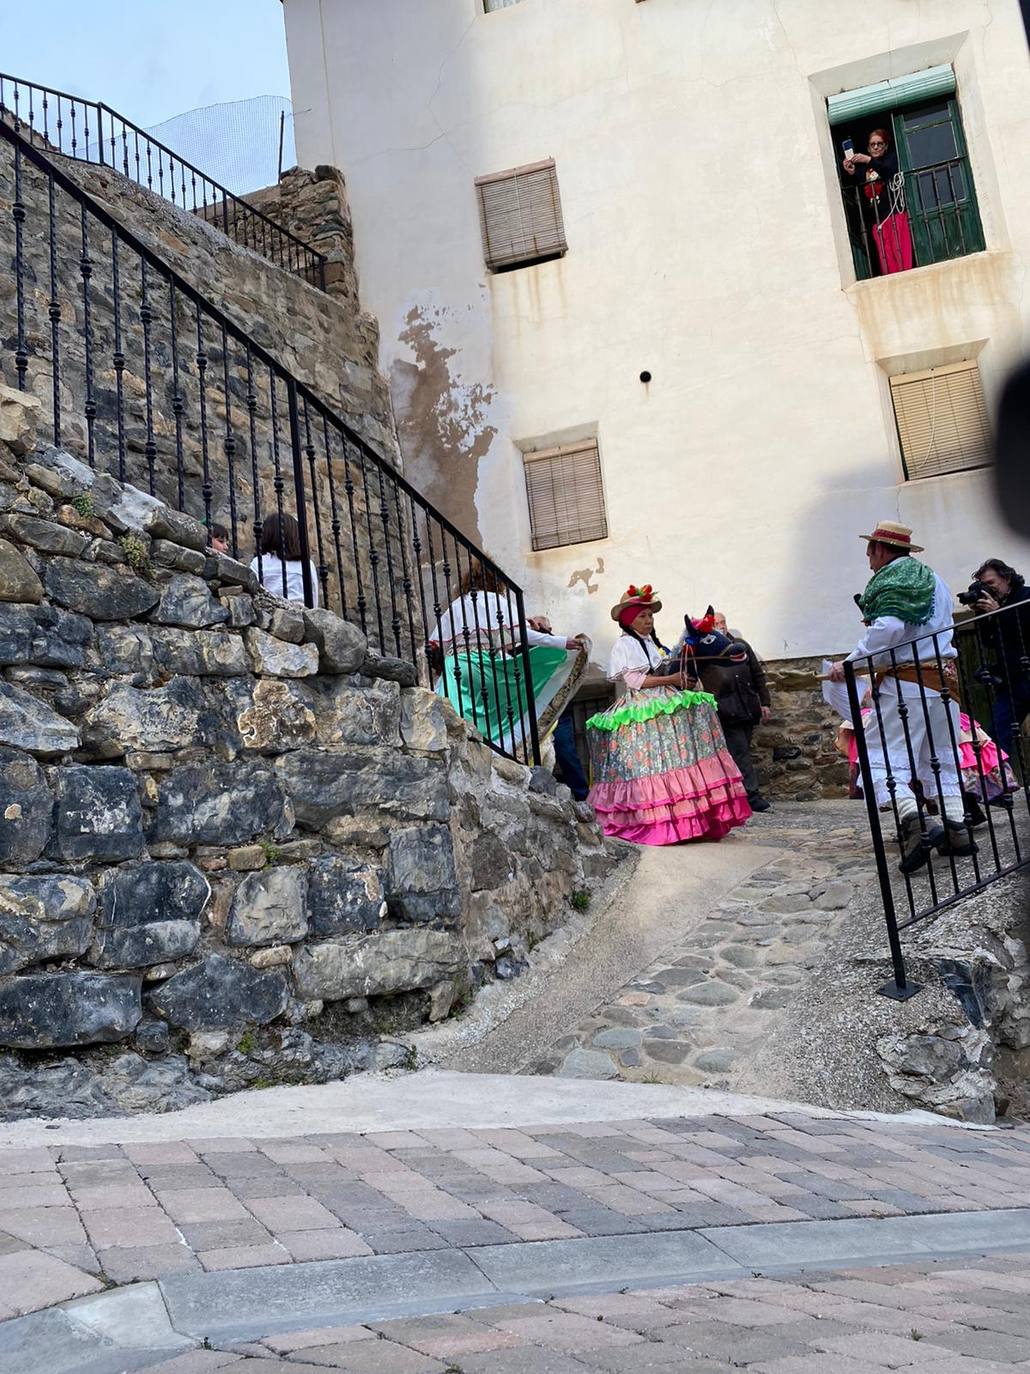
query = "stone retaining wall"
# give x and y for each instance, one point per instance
(237, 847)
(795, 752)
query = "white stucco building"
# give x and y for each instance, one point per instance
(703, 239)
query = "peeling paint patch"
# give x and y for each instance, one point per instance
(585, 575)
(442, 420)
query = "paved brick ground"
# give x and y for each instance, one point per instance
(73, 1219)
(937, 1319)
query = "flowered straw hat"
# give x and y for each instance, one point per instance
(643, 598)
(898, 536)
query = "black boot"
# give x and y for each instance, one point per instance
(915, 846)
(956, 840)
(758, 803)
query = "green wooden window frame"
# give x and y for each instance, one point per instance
(940, 196)
(942, 208)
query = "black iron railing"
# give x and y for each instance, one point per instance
(143, 377)
(90, 131)
(926, 216)
(944, 766)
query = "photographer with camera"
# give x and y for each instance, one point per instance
(1005, 640)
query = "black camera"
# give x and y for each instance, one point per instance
(973, 593)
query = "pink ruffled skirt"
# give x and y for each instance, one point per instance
(666, 777)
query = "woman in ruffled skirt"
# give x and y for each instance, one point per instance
(661, 771)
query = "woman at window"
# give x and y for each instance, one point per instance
(279, 561)
(477, 655)
(883, 188)
(662, 772)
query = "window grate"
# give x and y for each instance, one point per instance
(490, 5)
(942, 420)
(520, 216)
(566, 495)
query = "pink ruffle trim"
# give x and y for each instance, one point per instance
(702, 802)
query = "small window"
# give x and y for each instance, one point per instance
(489, 5)
(520, 215)
(566, 495)
(921, 206)
(942, 420)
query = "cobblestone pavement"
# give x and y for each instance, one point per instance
(74, 1219)
(936, 1318)
(698, 1011)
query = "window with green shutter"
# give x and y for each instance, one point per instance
(928, 212)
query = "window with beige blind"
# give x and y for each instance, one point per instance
(942, 420)
(520, 216)
(566, 495)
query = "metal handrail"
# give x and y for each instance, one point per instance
(246, 225)
(912, 738)
(393, 516)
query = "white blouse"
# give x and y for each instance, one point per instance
(271, 577)
(632, 660)
(488, 619)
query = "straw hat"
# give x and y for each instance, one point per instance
(898, 536)
(641, 597)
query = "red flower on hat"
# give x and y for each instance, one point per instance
(643, 593)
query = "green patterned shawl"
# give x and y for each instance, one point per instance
(904, 588)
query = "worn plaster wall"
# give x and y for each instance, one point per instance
(706, 245)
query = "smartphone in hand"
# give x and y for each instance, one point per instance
(848, 148)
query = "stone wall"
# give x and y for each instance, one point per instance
(795, 753)
(313, 207)
(237, 847)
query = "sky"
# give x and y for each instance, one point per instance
(148, 59)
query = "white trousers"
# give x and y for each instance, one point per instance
(889, 752)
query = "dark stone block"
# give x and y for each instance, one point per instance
(150, 913)
(343, 896)
(220, 803)
(43, 534)
(17, 627)
(784, 752)
(27, 722)
(178, 528)
(26, 809)
(97, 815)
(341, 646)
(125, 648)
(47, 1010)
(152, 1037)
(221, 994)
(187, 601)
(59, 638)
(340, 783)
(231, 573)
(421, 880)
(391, 669)
(140, 893)
(491, 861)
(156, 942)
(99, 592)
(542, 780)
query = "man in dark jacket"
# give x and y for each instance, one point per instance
(737, 681)
(1006, 639)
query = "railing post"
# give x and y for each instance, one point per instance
(297, 450)
(901, 989)
(100, 133)
(534, 734)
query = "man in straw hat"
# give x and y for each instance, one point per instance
(907, 609)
